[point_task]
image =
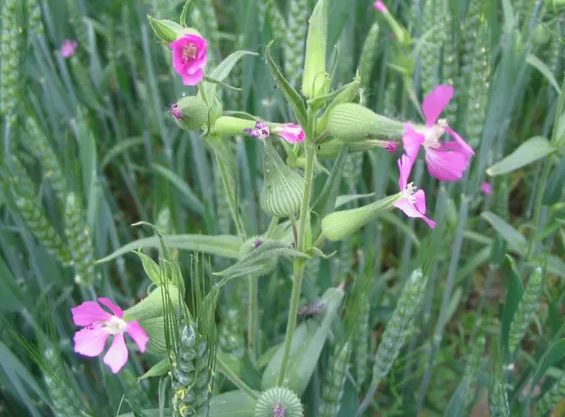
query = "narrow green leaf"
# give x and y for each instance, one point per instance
(515, 293)
(223, 69)
(514, 238)
(456, 405)
(553, 355)
(226, 246)
(193, 202)
(530, 151)
(535, 62)
(290, 94)
(555, 185)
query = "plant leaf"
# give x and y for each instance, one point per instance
(530, 151)
(514, 238)
(226, 246)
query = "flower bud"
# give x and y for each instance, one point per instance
(232, 126)
(169, 31)
(152, 306)
(315, 81)
(400, 34)
(190, 113)
(340, 224)
(354, 123)
(331, 149)
(282, 188)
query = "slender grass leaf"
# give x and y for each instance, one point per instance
(516, 241)
(530, 151)
(226, 246)
(193, 202)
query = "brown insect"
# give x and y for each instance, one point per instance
(312, 309)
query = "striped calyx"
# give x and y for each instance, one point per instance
(282, 189)
(278, 402)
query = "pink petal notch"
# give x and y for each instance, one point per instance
(190, 58)
(98, 325)
(89, 312)
(435, 102)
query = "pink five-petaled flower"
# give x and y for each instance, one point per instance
(68, 48)
(261, 131)
(412, 203)
(379, 5)
(290, 132)
(189, 58)
(98, 325)
(486, 188)
(446, 160)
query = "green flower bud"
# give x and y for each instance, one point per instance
(169, 31)
(315, 81)
(347, 95)
(152, 306)
(340, 224)
(282, 188)
(331, 148)
(400, 34)
(541, 35)
(190, 113)
(354, 123)
(231, 126)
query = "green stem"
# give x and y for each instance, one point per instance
(252, 318)
(232, 376)
(538, 205)
(272, 226)
(299, 263)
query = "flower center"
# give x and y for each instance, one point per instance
(409, 192)
(115, 325)
(189, 52)
(434, 133)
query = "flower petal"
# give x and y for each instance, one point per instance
(193, 79)
(486, 188)
(138, 335)
(411, 142)
(90, 341)
(411, 211)
(435, 102)
(117, 355)
(447, 163)
(404, 167)
(464, 146)
(115, 309)
(89, 312)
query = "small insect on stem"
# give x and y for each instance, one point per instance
(311, 310)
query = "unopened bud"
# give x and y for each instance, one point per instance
(282, 189)
(190, 113)
(169, 31)
(341, 224)
(354, 123)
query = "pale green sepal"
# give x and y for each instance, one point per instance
(340, 224)
(315, 81)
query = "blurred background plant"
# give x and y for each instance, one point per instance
(89, 148)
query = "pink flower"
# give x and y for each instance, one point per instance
(68, 48)
(290, 132)
(446, 160)
(175, 111)
(379, 5)
(189, 58)
(412, 203)
(486, 188)
(261, 131)
(98, 324)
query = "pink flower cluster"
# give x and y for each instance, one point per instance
(446, 161)
(98, 325)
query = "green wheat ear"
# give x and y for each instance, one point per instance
(24, 191)
(332, 391)
(12, 52)
(79, 239)
(298, 13)
(429, 54)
